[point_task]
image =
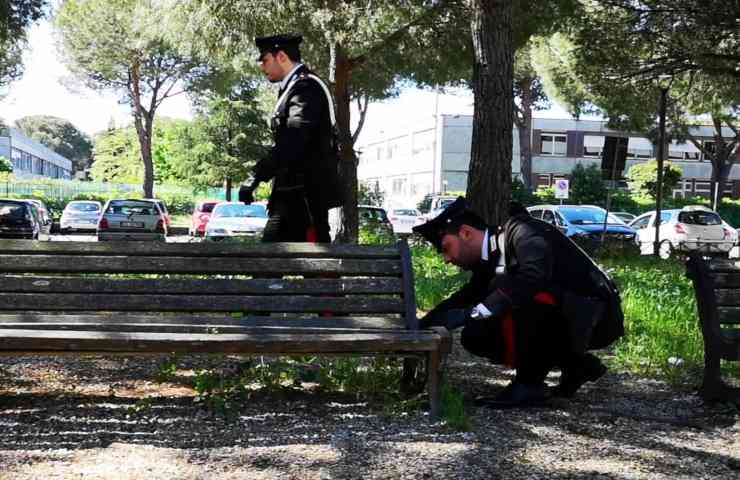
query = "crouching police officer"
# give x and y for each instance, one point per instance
(535, 301)
(303, 161)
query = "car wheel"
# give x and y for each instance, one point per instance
(665, 249)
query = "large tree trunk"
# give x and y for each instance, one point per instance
(524, 128)
(227, 189)
(489, 176)
(348, 162)
(143, 121)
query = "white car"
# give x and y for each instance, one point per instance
(235, 219)
(80, 215)
(690, 228)
(404, 219)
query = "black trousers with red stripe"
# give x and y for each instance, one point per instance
(540, 341)
(289, 221)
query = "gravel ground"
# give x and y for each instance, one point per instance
(108, 418)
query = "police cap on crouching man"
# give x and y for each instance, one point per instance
(535, 302)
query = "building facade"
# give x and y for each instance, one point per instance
(434, 158)
(30, 158)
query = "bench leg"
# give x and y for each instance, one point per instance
(712, 387)
(434, 370)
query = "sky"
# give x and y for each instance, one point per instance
(42, 91)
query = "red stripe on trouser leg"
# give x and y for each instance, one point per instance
(507, 332)
(311, 235)
(545, 298)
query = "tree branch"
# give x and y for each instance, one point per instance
(363, 112)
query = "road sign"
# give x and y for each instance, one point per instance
(561, 188)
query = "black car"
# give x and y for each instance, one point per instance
(19, 219)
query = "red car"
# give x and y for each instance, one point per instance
(201, 215)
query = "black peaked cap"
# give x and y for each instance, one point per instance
(435, 229)
(274, 43)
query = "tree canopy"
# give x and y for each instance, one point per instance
(15, 17)
(122, 45)
(59, 135)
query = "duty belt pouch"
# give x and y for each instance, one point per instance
(581, 316)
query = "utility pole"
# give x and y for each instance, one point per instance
(660, 159)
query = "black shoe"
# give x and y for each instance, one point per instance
(516, 395)
(589, 370)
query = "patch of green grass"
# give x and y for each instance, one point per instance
(453, 409)
(434, 279)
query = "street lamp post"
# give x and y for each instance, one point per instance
(661, 157)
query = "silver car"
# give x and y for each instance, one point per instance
(80, 215)
(132, 219)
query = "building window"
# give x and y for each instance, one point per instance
(683, 151)
(593, 145)
(398, 186)
(553, 144)
(639, 148)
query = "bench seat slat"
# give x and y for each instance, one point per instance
(203, 249)
(726, 280)
(40, 341)
(28, 318)
(261, 286)
(728, 315)
(196, 265)
(200, 303)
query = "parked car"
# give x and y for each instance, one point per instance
(163, 208)
(584, 222)
(131, 219)
(43, 214)
(404, 219)
(626, 217)
(371, 218)
(20, 219)
(692, 227)
(200, 217)
(80, 215)
(438, 205)
(235, 219)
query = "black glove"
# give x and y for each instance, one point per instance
(246, 194)
(450, 319)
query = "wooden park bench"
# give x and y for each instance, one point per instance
(717, 287)
(231, 298)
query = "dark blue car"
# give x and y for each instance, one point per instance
(584, 221)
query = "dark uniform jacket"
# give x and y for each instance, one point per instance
(539, 258)
(303, 158)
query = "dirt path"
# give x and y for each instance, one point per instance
(108, 418)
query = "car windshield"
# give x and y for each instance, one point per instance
(237, 210)
(12, 211)
(373, 214)
(699, 218)
(83, 207)
(446, 203)
(406, 212)
(587, 216)
(132, 208)
(207, 207)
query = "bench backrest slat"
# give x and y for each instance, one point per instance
(257, 286)
(202, 279)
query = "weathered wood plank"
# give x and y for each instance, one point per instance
(39, 341)
(727, 297)
(724, 265)
(30, 318)
(262, 286)
(327, 327)
(199, 303)
(726, 280)
(409, 293)
(195, 265)
(729, 315)
(202, 249)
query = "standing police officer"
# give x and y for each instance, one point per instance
(303, 161)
